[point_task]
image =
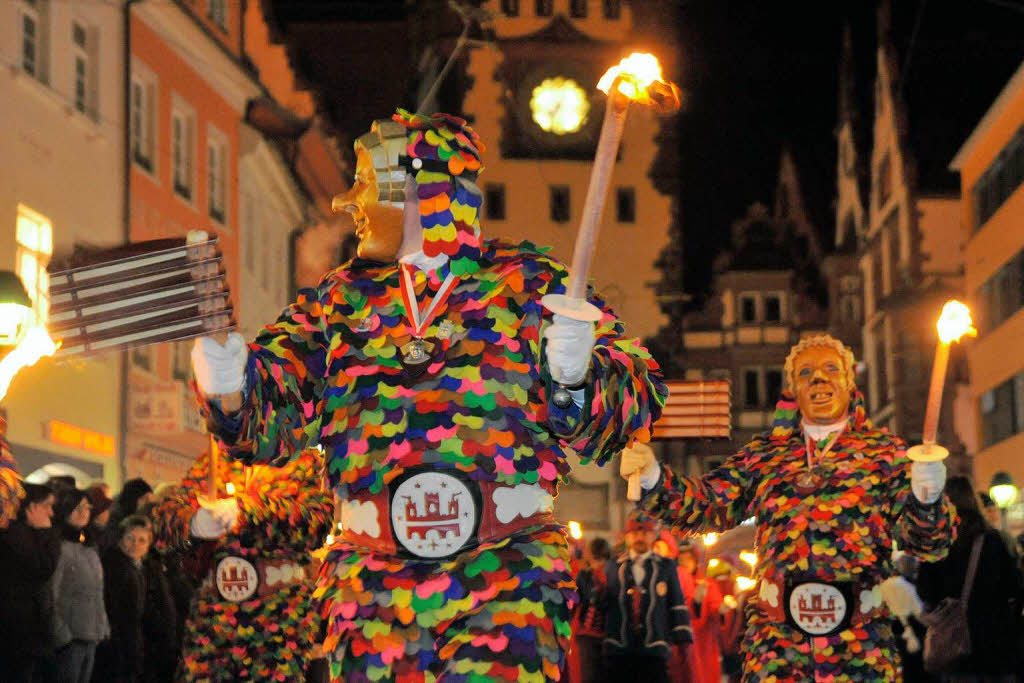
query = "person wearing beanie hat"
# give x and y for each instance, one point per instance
(425, 368)
(647, 613)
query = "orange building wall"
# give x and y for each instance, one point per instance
(231, 38)
(995, 355)
(156, 210)
(272, 63)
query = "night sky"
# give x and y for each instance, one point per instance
(756, 75)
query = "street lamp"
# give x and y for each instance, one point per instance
(1003, 493)
(15, 307)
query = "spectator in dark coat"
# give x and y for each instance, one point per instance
(80, 621)
(99, 515)
(135, 494)
(121, 659)
(160, 619)
(29, 550)
(992, 609)
(646, 609)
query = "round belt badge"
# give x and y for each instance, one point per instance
(432, 514)
(817, 608)
(236, 579)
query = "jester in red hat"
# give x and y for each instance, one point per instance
(830, 495)
(253, 617)
(425, 368)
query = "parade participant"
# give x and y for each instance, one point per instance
(422, 370)
(704, 600)
(646, 609)
(11, 491)
(252, 618)
(829, 494)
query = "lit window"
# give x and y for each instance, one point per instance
(625, 204)
(34, 236)
(560, 203)
(494, 201)
(182, 151)
(216, 176)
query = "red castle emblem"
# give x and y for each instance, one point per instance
(817, 608)
(236, 579)
(432, 518)
(432, 514)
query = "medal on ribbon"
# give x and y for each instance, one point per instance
(417, 353)
(811, 479)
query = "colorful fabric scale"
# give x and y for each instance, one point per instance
(285, 514)
(11, 491)
(449, 203)
(498, 613)
(328, 372)
(844, 531)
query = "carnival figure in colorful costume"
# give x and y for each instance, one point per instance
(829, 494)
(11, 491)
(425, 369)
(253, 617)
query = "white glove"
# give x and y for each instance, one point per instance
(640, 457)
(220, 369)
(568, 349)
(927, 479)
(216, 519)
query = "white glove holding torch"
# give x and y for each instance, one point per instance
(569, 344)
(640, 461)
(220, 369)
(215, 519)
(927, 479)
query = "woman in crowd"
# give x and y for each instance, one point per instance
(121, 658)
(992, 608)
(80, 619)
(29, 549)
(99, 515)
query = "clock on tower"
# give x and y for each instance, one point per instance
(535, 103)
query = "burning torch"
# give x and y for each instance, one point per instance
(954, 322)
(636, 78)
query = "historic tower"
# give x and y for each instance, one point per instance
(535, 103)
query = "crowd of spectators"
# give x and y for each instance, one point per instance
(84, 595)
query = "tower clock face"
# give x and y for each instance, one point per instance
(559, 105)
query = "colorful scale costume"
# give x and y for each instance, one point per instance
(329, 372)
(10, 481)
(842, 532)
(284, 515)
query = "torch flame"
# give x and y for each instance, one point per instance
(710, 538)
(230, 488)
(744, 583)
(955, 322)
(748, 557)
(575, 530)
(636, 72)
(30, 349)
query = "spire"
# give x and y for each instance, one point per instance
(847, 78)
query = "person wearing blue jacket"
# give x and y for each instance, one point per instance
(647, 611)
